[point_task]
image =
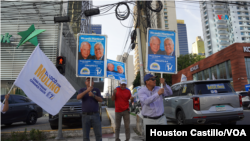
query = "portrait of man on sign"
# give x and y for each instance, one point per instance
(111, 67)
(98, 47)
(154, 46)
(120, 69)
(169, 47)
(85, 51)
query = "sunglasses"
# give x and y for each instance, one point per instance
(153, 79)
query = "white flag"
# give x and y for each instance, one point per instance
(43, 84)
(183, 78)
(213, 76)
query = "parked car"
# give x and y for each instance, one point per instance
(245, 99)
(21, 109)
(71, 113)
(204, 102)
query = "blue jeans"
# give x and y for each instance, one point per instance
(94, 120)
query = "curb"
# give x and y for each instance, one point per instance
(71, 132)
(112, 120)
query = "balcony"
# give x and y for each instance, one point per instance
(208, 34)
(222, 27)
(224, 43)
(209, 44)
(207, 24)
(204, 5)
(218, 7)
(224, 38)
(219, 11)
(223, 32)
(207, 29)
(221, 22)
(205, 15)
(208, 39)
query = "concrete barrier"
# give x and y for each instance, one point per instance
(111, 120)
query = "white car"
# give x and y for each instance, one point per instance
(245, 99)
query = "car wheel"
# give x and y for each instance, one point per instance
(54, 127)
(32, 118)
(7, 124)
(180, 118)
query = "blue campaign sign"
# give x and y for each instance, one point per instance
(161, 54)
(247, 87)
(115, 69)
(91, 55)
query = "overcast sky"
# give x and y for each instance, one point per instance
(117, 33)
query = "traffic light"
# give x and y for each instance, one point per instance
(60, 64)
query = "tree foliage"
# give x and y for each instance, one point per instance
(137, 81)
(184, 61)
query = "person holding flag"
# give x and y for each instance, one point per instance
(90, 97)
(5, 107)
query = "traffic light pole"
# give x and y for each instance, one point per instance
(60, 135)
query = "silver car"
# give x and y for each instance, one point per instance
(204, 102)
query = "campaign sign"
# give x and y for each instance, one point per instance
(115, 70)
(247, 87)
(160, 52)
(91, 55)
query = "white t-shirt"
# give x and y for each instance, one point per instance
(2, 105)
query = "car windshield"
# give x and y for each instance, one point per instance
(213, 88)
(243, 94)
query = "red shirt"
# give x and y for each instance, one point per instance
(121, 99)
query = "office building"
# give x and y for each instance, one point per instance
(198, 47)
(224, 24)
(182, 36)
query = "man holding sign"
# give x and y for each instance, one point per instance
(90, 97)
(151, 98)
(5, 107)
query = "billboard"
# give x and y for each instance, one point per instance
(160, 52)
(115, 70)
(91, 55)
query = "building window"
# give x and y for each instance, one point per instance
(222, 70)
(240, 22)
(238, 12)
(247, 18)
(229, 69)
(248, 23)
(248, 28)
(238, 7)
(245, 8)
(214, 71)
(166, 22)
(242, 33)
(166, 26)
(165, 14)
(248, 33)
(246, 13)
(239, 18)
(243, 38)
(206, 74)
(241, 28)
(247, 61)
(166, 17)
(195, 76)
(199, 75)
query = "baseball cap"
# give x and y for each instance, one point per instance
(147, 76)
(123, 81)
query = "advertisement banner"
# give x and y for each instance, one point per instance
(91, 55)
(115, 69)
(161, 51)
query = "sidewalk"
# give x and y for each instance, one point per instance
(111, 137)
